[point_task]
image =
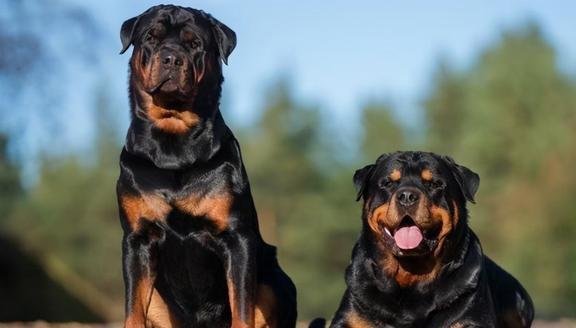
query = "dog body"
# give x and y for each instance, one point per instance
(193, 255)
(417, 263)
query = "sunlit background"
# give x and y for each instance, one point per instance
(314, 90)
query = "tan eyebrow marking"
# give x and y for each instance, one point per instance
(426, 175)
(395, 175)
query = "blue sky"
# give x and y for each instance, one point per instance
(341, 53)
(338, 55)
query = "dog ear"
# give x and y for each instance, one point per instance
(127, 33)
(225, 37)
(467, 180)
(361, 178)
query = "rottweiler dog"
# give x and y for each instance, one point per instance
(193, 255)
(417, 263)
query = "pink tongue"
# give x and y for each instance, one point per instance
(408, 237)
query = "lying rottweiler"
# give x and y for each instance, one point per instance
(417, 263)
(193, 255)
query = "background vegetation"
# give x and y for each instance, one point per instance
(510, 115)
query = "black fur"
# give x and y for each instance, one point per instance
(188, 259)
(469, 289)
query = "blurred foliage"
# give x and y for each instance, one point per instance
(515, 123)
(70, 220)
(10, 188)
(510, 116)
(382, 133)
(37, 65)
(299, 202)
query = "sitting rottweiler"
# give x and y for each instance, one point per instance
(417, 263)
(193, 255)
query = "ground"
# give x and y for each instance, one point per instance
(40, 324)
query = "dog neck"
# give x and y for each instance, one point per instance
(166, 150)
(458, 277)
(408, 271)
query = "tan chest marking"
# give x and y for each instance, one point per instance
(151, 207)
(405, 278)
(159, 314)
(354, 320)
(137, 315)
(216, 208)
(172, 121)
(266, 309)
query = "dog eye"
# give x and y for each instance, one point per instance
(155, 33)
(386, 183)
(195, 44)
(436, 184)
(151, 36)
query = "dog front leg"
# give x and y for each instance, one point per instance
(240, 262)
(139, 266)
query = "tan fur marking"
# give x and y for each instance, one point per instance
(456, 216)
(442, 215)
(198, 76)
(395, 175)
(151, 207)
(215, 208)
(171, 120)
(354, 320)
(378, 215)
(137, 68)
(236, 317)
(137, 316)
(427, 269)
(457, 325)
(405, 278)
(409, 271)
(166, 119)
(158, 314)
(426, 175)
(266, 308)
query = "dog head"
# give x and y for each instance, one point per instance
(414, 201)
(177, 53)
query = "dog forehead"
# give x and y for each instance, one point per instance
(173, 16)
(410, 162)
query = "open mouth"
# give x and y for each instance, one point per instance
(408, 235)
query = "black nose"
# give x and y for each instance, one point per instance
(407, 196)
(171, 60)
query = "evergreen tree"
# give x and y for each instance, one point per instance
(514, 114)
(10, 188)
(381, 132)
(444, 109)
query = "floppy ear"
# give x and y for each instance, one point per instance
(127, 33)
(466, 178)
(361, 178)
(225, 37)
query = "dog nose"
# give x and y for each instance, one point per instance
(172, 60)
(407, 196)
